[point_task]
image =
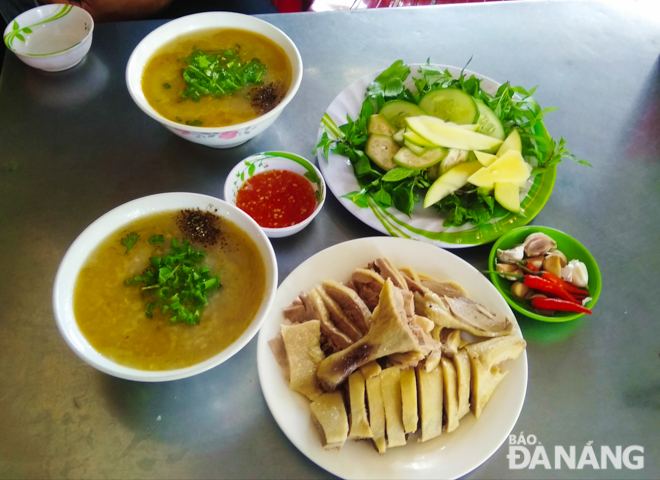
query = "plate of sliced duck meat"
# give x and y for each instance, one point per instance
(390, 358)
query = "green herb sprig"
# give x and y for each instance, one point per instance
(177, 283)
(219, 74)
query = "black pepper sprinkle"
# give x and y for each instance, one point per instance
(265, 97)
(199, 226)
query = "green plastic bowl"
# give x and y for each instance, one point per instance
(567, 244)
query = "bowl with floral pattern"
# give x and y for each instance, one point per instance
(218, 137)
(281, 191)
(50, 37)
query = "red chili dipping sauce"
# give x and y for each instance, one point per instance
(277, 198)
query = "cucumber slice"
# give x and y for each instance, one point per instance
(396, 111)
(378, 124)
(406, 158)
(450, 105)
(380, 149)
(488, 122)
(416, 149)
(398, 136)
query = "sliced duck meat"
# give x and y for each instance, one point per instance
(276, 345)
(477, 315)
(368, 285)
(338, 316)
(405, 360)
(389, 334)
(387, 270)
(298, 311)
(351, 303)
(333, 339)
(437, 309)
(413, 282)
(408, 303)
(444, 289)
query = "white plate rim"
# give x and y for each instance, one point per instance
(415, 460)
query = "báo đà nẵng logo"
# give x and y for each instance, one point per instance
(525, 451)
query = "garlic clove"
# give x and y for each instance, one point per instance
(539, 244)
(560, 254)
(576, 272)
(512, 255)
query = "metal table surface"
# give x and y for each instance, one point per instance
(73, 146)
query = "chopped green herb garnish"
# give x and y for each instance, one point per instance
(219, 74)
(177, 283)
(193, 123)
(167, 85)
(157, 239)
(129, 240)
(178, 119)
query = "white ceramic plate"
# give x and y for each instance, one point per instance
(424, 225)
(450, 455)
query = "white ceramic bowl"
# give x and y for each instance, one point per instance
(218, 137)
(51, 37)
(261, 162)
(76, 257)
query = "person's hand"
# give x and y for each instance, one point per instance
(115, 10)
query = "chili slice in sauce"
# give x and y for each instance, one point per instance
(277, 198)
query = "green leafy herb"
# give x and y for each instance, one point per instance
(166, 85)
(193, 123)
(402, 187)
(129, 240)
(177, 283)
(156, 239)
(219, 74)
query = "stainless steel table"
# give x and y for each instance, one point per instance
(73, 146)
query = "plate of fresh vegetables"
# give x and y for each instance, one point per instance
(438, 154)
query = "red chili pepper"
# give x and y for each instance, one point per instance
(546, 286)
(565, 285)
(558, 304)
(531, 266)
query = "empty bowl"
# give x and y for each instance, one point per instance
(51, 37)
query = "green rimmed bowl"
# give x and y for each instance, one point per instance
(573, 250)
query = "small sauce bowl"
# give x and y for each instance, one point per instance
(270, 161)
(51, 37)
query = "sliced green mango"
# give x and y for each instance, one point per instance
(447, 135)
(512, 142)
(510, 167)
(485, 158)
(450, 181)
(507, 194)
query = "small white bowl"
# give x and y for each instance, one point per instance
(76, 257)
(51, 37)
(261, 162)
(218, 137)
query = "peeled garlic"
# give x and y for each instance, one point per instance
(575, 272)
(512, 255)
